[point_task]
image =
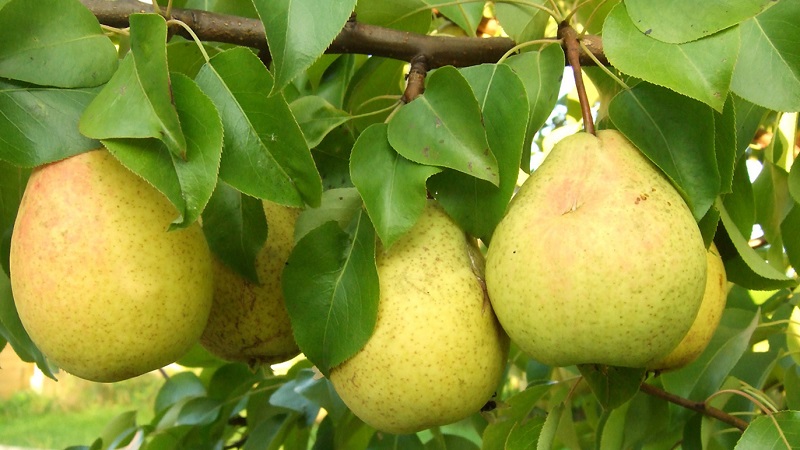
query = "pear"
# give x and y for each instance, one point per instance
(249, 321)
(102, 287)
(793, 334)
(437, 352)
(598, 260)
(705, 324)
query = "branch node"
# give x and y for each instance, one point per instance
(415, 85)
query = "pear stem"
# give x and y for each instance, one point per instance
(572, 47)
(700, 407)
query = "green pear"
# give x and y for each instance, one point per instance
(437, 352)
(705, 324)
(249, 321)
(793, 334)
(101, 286)
(598, 259)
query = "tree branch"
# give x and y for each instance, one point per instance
(355, 37)
(700, 407)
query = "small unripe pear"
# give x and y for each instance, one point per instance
(707, 320)
(437, 353)
(101, 286)
(249, 321)
(598, 259)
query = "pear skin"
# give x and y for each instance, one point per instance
(101, 286)
(707, 320)
(437, 353)
(249, 321)
(598, 260)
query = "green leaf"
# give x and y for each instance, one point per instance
(687, 20)
(299, 31)
(725, 145)
(772, 199)
(316, 117)
(700, 69)
(185, 57)
(791, 239)
(339, 205)
(393, 188)
(466, 15)
(236, 229)
(330, 284)
(442, 127)
(179, 387)
(12, 330)
(791, 383)
(794, 180)
(382, 441)
(199, 411)
(612, 386)
(138, 102)
(748, 118)
(265, 154)
(743, 265)
(406, 15)
(768, 70)
(547, 435)
(705, 375)
(56, 43)
(12, 185)
(521, 21)
(541, 73)
(375, 86)
(187, 182)
(40, 125)
(769, 432)
(515, 418)
(676, 133)
(740, 203)
(477, 205)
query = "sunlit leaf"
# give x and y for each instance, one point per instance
(299, 31)
(613, 386)
(775, 432)
(56, 43)
(700, 69)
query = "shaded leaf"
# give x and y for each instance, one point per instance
(235, 228)
(687, 20)
(443, 127)
(316, 117)
(339, 205)
(187, 182)
(382, 441)
(700, 69)
(375, 86)
(612, 386)
(467, 15)
(179, 387)
(705, 375)
(57, 43)
(199, 411)
(299, 31)
(330, 284)
(541, 74)
(772, 199)
(12, 185)
(521, 21)
(676, 133)
(768, 70)
(743, 265)
(477, 205)
(12, 330)
(265, 154)
(791, 238)
(39, 125)
(407, 15)
(138, 101)
(393, 188)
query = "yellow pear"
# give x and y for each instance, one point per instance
(101, 286)
(793, 334)
(598, 259)
(705, 324)
(249, 321)
(437, 353)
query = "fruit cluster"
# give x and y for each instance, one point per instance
(597, 261)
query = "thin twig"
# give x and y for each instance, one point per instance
(700, 407)
(569, 37)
